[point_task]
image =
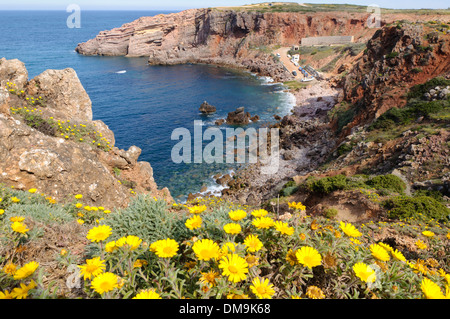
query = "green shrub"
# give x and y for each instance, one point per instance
(42, 212)
(330, 212)
(422, 208)
(344, 148)
(426, 108)
(389, 119)
(392, 55)
(409, 113)
(327, 185)
(288, 189)
(389, 182)
(345, 118)
(147, 218)
(437, 195)
(417, 91)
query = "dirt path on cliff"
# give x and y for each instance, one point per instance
(287, 63)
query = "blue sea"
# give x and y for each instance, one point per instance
(141, 104)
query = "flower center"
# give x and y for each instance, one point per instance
(168, 250)
(261, 290)
(232, 269)
(105, 286)
(206, 253)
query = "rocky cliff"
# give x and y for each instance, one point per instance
(49, 141)
(225, 37)
(396, 59)
(329, 133)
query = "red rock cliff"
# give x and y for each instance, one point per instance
(222, 37)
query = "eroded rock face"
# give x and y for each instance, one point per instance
(13, 71)
(59, 167)
(225, 37)
(63, 93)
(395, 60)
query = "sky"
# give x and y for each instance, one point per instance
(183, 4)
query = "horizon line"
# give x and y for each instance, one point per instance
(173, 8)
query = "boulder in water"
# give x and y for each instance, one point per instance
(207, 108)
(238, 117)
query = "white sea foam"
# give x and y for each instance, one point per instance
(214, 188)
(122, 71)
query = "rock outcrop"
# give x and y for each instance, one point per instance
(34, 154)
(223, 37)
(396, 59)
(63, 92)
(207, 108)
(13, 71)
(238, 117)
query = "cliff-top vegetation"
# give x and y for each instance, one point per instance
(317, 7)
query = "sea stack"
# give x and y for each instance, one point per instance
(207, 108)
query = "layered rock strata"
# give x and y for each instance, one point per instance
(224, 37)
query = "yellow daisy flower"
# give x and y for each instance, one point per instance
(262, 288)
(364, 272)
(131, 242)
(10, 269)
(165, 248)
(349, 229)
(398, 255)
(197, 209)
(92, 268)
(283, 228)
(105, 282)
(379, 252)
(147, 294)
(253, 243)
(232, 228)
(19, 227)
(6, 295)
(99, 233)
(421, 245)
(209, 278)
(263, 222)
(22, 292)
(428, 233)
(308, 256)
(206, 249)
(291, 258)
(194, 222)
(431, 290)
(314, 292)
(259, 213)
(237, 215)
(26, 271)
(234, 267)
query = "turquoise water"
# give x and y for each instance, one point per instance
(142, 104)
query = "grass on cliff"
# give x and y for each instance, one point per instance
(326, 185)
(433, 111)
(388, 190)
(212, 249)
(316, 7)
